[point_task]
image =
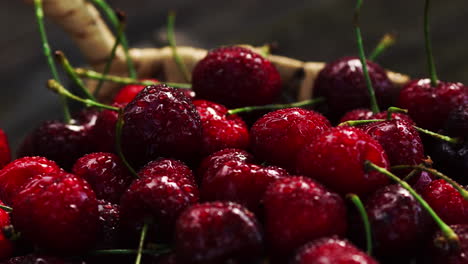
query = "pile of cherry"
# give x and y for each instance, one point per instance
(173, 176)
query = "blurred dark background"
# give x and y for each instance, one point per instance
(313, 30)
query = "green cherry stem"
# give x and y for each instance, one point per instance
(172, 42)
(6, 208)
(144, 230)
(362, 56)
(437, 135)
(58, 88)
(248, 109)
(120, 32)
(461, 190)
(48, 54)
(427, 41)
(365, 219)
(411, 174)
(387, 41)
(446, 230)
(85, 73)
(359, 122)
(113, 18)
(71, 72)
(393, 109)
(118, 144)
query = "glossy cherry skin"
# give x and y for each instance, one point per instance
(5, 153)
(160, 122)
(211, 164)
(298, 210)
(106, 174)
(357, 114)
(446, 202)
(109, 224)
(336, 158)
(441, 253)
(342, 84)
(128, 92)
(331, 250)
(58, 213)
(218, 232)
(20, 172)
(400, 140)
(399, 224)
(220, 129)
(236, 77)
(278, 136)
(429, 106)
(103, 133)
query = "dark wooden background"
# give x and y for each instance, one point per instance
(304, 29)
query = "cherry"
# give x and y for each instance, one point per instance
(331, 250)
(60, 142)
(106, 174)
(447, 202)
(394, 115)
(5, 153)
(162, 167)
(357, 114)
(6, 246)
(441, 253)
(211, 164)
(160, 121)
(58, 212)
(220, 129)
(298, 210)
(429, 106)
(238, 181)
(399, 223)
(128, 92)
(20, 172)
(103, 133)
(343, 85)
(336, 159)
(235, 77)
(109, 220)
(400, 140)
(218, 232)
(157, 199)
(278, 136)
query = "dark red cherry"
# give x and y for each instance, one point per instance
(128, 92)
(235, 77)
(220, 129)
(57, 212)
(20, 172)
(218, 232)
(161, 122)
(5, 153)
(430, 106)
(211, 164)
(278, 136)
(103, 133)
(342, 83)
(336, 158)
(6, 246)
(106, 174)
(441, 253)
(298, 210)
(331, 250)
(109, 224)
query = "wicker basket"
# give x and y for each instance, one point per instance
(83, 23)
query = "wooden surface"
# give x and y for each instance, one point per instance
(308, 30)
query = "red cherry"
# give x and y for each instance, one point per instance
(430, 106)
(106, 174)
(6, 246)
(439, 254)
(342, 83)
(446, 202)
(235, 77)
(5, 154)
(58, 212)
(331, 250)
(298, 210)
(103, 133)
(161, 121)
(278, 136)
(336, 158)
(220, 130)
(217, 232)
(20, 172)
